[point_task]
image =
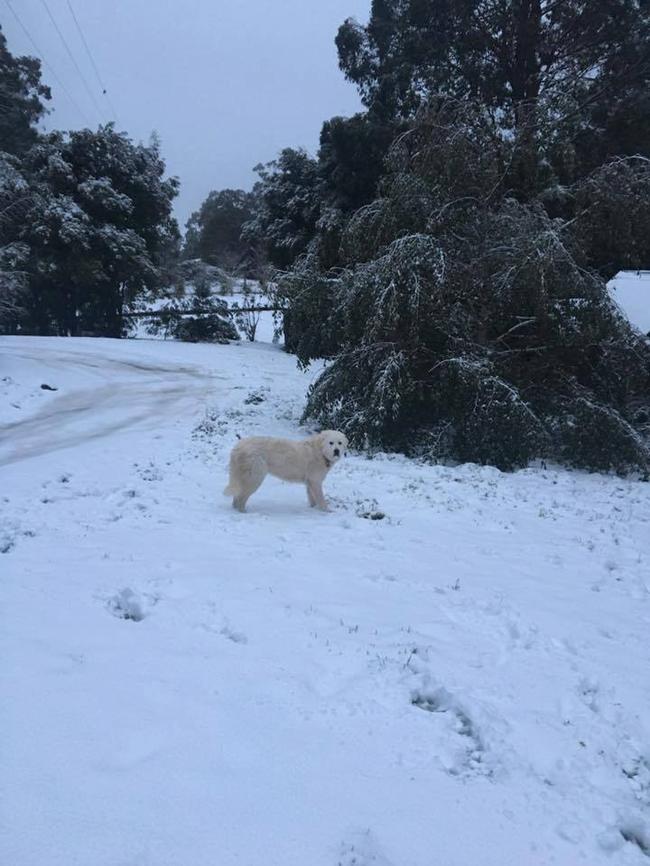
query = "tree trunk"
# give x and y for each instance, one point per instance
(525, 83)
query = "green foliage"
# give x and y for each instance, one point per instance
(476, 337)
(567, 82)
(214, 231)
(98, 228)
(612, 208)
(195, 319)
(303, 204)
(21, 100)
(351, 159)
(597, 437)
(85, 217)
(14, 200)
(205, 278)
(288, 206)
(307, 295)
(500, 54)
(485, 417)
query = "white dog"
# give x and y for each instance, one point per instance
(306, 462)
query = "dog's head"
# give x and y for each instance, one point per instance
(334, 445)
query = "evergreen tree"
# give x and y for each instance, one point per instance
(21, 107)
(465, 325)
(351, 159)
(288, 206)
(612, 215)
(15, 197)
(98, 229)
(21, 99)
(214, 231)
(570, 80)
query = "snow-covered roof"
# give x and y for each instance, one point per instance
(631, 291)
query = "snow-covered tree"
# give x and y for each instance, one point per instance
(465, 324)
(22, 96)
(612, 215)
(15, 198)
(98, 228)
(573, 71)
(214, 231)
(287, 207)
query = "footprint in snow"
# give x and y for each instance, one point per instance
(234, 636)
(128, 605)
(633, 831)
(9, 537)
(7, 543)
(361, 850)
(471, 757)
(588, 690)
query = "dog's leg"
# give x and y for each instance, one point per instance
(251, 476)
(239, 502)
(310, 495)
(317, 493)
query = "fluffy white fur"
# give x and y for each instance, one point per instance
(306, 462)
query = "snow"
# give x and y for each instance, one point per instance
(631, 291)
(450, 668)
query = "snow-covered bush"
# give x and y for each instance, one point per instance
(246, 315)
(210, 328)
(205, 278)
(489, 420)
(194, 320)
(597, 437)
(306, 296)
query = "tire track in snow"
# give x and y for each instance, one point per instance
(148, 394)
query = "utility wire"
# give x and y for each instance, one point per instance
(48, 65)
(72, 57)
(92, 61)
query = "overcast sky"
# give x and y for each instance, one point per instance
(225, 83)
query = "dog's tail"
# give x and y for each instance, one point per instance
(232, 488)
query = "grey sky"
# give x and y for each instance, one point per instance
(225, 83)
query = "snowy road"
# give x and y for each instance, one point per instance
(123, 393)
(449, 669)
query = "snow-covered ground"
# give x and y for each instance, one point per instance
(451, 668)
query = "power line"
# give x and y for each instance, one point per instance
(48, 65)
(72, 57)
(92, 61)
